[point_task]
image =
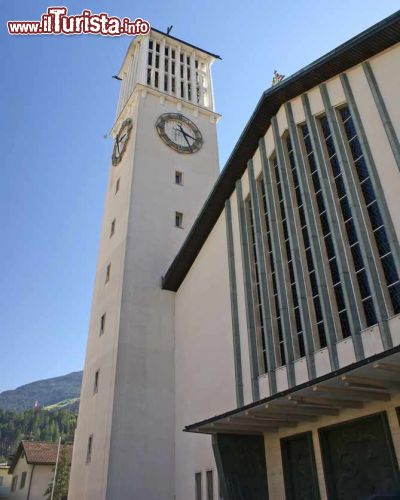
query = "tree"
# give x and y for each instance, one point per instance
(62, 478)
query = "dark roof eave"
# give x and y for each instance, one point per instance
(370, 42)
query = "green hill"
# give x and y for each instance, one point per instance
(46, 392)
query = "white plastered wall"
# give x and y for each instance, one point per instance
(204, 368)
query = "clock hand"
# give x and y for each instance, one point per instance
(190, 147)
(191, 137)
(186, 134)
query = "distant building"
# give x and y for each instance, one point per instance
(5, 481)
(259, 314)
(32, 469)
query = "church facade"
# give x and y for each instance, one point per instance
(245, 330)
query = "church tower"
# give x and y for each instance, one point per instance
(164, 165)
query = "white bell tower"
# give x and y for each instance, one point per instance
(165, 162)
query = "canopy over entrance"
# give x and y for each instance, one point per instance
(373, 379)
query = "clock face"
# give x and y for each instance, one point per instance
(121, 141)
(179, 133)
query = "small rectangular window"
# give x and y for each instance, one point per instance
(210, 485)
(96, 382)
(197, 478)
(102, 324)
(108, 273)
(23, 480)
(178, 178)
(14, 483)
(112, 230)
(178, 219)
(117, 185)
(89, 449)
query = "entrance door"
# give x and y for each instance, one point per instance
(299, 469)
(359, 459)
(241, 466)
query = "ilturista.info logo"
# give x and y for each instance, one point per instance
(56, 21)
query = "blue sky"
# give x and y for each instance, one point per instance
(58, 103)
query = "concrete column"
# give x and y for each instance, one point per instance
(210, 90)
(251, 330)
(383, 112)
(162, 66)
(279, 270)
(294, 246)
(372, 170)
(337, 237)
(193, 77)
(234, 306)
(142, 61)
(265, 298)
(185, 78)
(315, 242)
(361, 229)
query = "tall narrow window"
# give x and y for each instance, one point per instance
(374, 213)
(96, 382)
(89, 449)
(23, 480)
(275, 302)
(326, 232)
(150, 62)
(112, 229)
(307, 245)
(210, 485)
(108, 273)
(117, 185)
(15, 482)
(102, 324)
(178, 219)
(256, 281)
(198, 489)
(352, 237)
(289, 259)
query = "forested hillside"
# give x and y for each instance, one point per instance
(39, 425)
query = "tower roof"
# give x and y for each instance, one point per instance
(186, 43)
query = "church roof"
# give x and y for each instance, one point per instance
(370, 42)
